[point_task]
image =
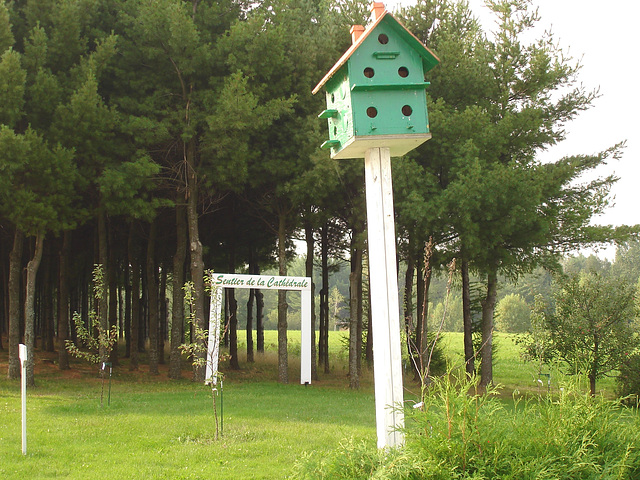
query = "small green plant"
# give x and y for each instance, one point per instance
(429, 358)
(198, 351)
(94, 349)
(459, 434)
(90, 344)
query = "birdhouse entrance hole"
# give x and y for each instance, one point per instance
(372, 112)
(383, 38)
(407, 110)
(403, 72)
(369, 72)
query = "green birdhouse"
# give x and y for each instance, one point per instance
(376, 91)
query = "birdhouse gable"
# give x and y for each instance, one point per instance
(393, 31)
(376, 92)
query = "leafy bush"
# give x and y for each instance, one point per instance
(629, 379)
(457, 435)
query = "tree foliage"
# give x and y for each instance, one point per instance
(592, 328)
(512, 314)
(117, 114)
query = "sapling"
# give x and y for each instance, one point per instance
(422, 356)
(94, 349)
(198, 350)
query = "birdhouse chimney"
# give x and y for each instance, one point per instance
(356, 32)
(377, 9)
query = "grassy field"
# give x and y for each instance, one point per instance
(514, 374)
(156, 428)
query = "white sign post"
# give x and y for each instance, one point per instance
(213, 344)
(383, 284)
(263, 282)
(23, 354)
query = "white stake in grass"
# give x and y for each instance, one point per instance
(23, 381)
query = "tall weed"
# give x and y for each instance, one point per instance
(457, 434)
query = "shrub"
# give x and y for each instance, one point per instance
(457, 435)
(629, 379)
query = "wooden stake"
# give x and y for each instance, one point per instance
(24, 355)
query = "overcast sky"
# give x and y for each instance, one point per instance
(605, 36)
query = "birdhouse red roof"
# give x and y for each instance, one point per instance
(359, 33)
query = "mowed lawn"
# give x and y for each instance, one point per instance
(157, 428)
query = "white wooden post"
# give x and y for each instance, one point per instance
(213, 343)
(23, 355)
(305, 336)
(266, 282)
(383, 285)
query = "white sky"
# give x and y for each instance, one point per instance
(605, 35)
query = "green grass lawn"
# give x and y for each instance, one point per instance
(156, 428)
(514, 374)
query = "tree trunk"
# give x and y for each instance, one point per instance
(368, 348)
(63, 301)
(250, 304)
(45, 294)
(469, 357)
(152, 298)
(177, 312)
(29, 303)
(225, 319)
(592, 384)
(488, 307)
(127, 309)
(122, 303)
(233, 330)
(308, 231)
(355, 337)
(133, 253)
(196, 256)
(103, 260)
(4, 306)
(85, 300)
(143, 330)
(259, 321)
(15, 276)
(112, 278)
(323, 356)
(360, 311)
(249, 325)
(409, 325)
(162, 316)
(283, 359)
(234, 361)
(593, 374)
(422, 319)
